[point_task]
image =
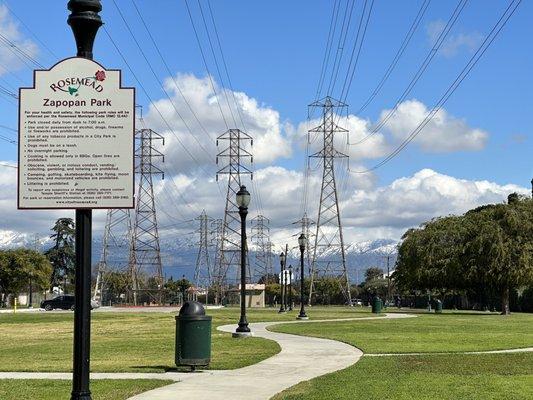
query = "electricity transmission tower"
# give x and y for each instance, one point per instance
(263, 253)
(202, 272)
(216, 241)
(235, 155)
(329, 257)
(115, 249)
(145, 255)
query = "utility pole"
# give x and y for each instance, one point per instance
(145, 254)
(329, 258)
(388, 279)
(202, 271)
(115, 248)
(235, 155)
(263, 252)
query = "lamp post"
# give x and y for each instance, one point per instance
(301, 243)
(31, 291)
(282, 259)
(85, 22)
(290, 288)
(243, 200)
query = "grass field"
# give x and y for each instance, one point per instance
(434, 377)
(131, 342)
(448, 332)
(54, 390)
(426, 377)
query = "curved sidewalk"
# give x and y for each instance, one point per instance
(301, 358)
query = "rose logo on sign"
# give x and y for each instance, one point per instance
(100, 76)
(72, 85)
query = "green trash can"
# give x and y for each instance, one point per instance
(193, 336)
(438, 307)
(377, 304)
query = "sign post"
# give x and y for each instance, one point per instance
(76, 151)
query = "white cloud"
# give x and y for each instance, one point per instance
(444, 133)
(455, 41)
(409, 201)
(368, 212)
(262, 123)
(10, 30)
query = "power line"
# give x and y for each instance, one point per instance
(8, 165)
(423, 67)
(347, 83)
(458, 80)
(398, 55)
(169, 71)
(340, 47)
(216, 62)
(21, 54)
(151, 101)
(327, 52)
(205, 63)
(30, 31)
(156, 77)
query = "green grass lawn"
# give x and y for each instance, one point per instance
(448, 332)
(53, 389)
(132, 342)
(433, 377)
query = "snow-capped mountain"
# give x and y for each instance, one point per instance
(179, 254)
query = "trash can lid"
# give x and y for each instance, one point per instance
(192, 308)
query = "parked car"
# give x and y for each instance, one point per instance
(63, 302)
(357, 302)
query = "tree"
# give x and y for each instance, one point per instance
(18, 266)
(501, 251)
(487, 249)
(373, 273)
(62, 254)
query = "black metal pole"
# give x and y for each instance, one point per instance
(85, 22)
(290, 288)
(243, 323)
(31, 292)
(302, 314)
(281, 281)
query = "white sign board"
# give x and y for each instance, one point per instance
(76, 138)
(285, 278)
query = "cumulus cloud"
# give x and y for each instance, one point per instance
(409, 201)
(10, 30)
(444, 133)
(368, 212)
(455, 42)
(262, 123)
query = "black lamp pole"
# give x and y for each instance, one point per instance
(31, 291)
(301, 243)
(282, 281)
(85, 22)
(290, 288)
(243, 199)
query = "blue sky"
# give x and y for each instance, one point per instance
(274, 51)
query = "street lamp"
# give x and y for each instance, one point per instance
(301, 243)
(31, 291)
(282, 259)
(290, 288)
(243, 200)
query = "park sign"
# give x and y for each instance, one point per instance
(76, 138)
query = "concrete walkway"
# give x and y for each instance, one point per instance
(301, 358)
(520, 350)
